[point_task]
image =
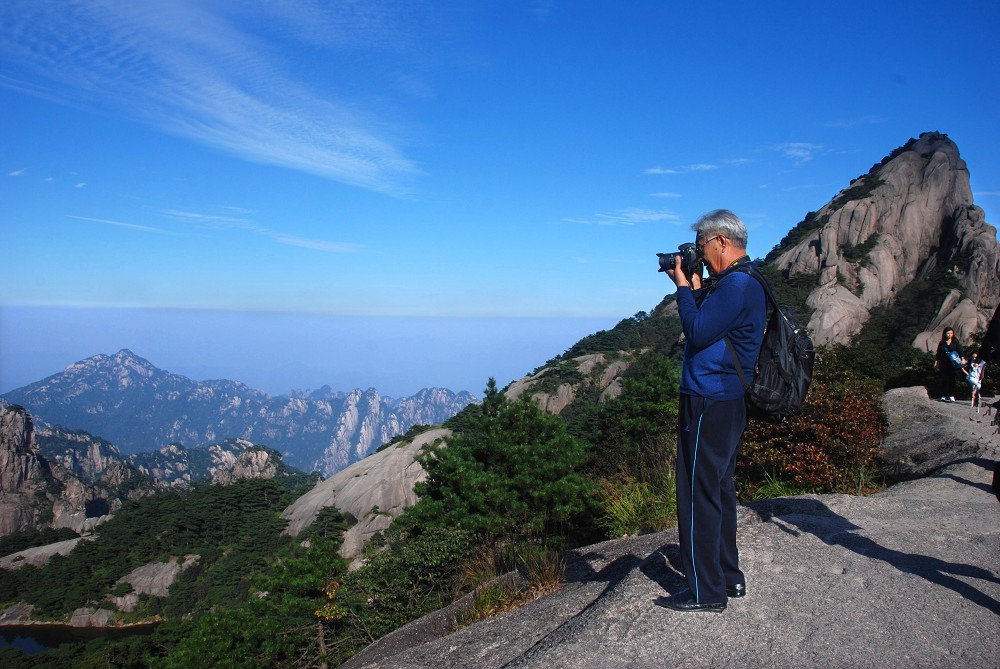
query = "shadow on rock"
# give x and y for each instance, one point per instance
(982, 462)
(798, 515)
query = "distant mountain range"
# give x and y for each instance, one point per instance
(126, 400)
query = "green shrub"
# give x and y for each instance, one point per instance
(858, 253)
(800, 231)
(412, 571)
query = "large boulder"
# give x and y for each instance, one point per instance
(374, 491)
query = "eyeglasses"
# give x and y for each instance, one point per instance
(701, 247)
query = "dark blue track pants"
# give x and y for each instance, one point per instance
(708, 435)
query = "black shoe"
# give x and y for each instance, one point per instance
(684, 601)
(736, 591)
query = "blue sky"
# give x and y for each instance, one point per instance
(404, 194)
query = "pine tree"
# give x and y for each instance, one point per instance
(513, 474)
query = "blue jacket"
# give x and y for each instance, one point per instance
(737, 306)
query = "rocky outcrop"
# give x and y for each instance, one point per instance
(25, 479)
(224, 463)
(925, 435)
(374, 491)
(90, 617)
(139, 408)
(910, 215)
(555, 387)
(252, 463)
(39, 555)
(95, 478)
(152, 579)
(37, 492)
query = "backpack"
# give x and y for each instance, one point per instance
(955, 359)
(784, 365)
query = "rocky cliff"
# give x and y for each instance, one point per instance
(226, 462)
(141, 408)
(55, 478)
(911, 215)
(24, 476)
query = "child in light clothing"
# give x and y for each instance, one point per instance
(974, 376)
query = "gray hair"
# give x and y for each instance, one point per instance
(722, 222)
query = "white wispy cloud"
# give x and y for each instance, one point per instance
(800, 152)
(246, 225)
(18, 173)
(316, 244)
(120, 224)
(697, 167)
(627, 217)
(209, 219)
(216, 73)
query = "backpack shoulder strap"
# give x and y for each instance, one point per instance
(747, 268)
(736, 361)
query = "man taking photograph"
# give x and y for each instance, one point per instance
(712, 411)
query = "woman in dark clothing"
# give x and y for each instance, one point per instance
(943, 363)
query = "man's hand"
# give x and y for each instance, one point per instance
(678, 276)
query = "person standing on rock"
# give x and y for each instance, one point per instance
(948, 350)
(712, 410)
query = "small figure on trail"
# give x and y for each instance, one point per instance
(948, 359)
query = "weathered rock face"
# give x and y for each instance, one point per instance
(23, 473)
(374, 490)
(138, 407)
(911, 214)
(224, 463)
(592, 370)
(252, 463)
(55, 478)
(152, 579)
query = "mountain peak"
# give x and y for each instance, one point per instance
(910, 216)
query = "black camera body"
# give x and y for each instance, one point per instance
(690, 259)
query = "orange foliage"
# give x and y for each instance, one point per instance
(826, 447)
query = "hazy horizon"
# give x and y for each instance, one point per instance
(280, 353)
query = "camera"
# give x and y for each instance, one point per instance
(690, 259)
